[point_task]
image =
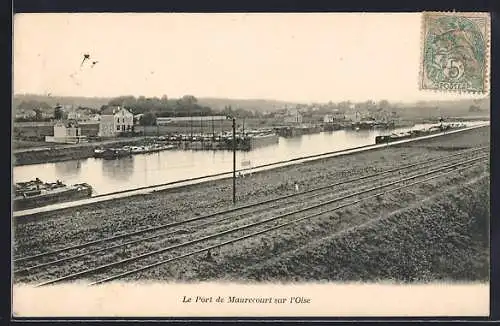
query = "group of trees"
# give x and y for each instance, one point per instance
(474, 108)
(162, 107)
(34, 111)
(154, 107)
(149, 118)
(33, 105)
(41, 111)
(188, 105)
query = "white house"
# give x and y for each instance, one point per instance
(328, 118)
(137, 118)
(66, 132)
(115, 120)
(95, 117)
(26, 114)
(353, 116)
(293, 116)
(74, 115)
(335, 116)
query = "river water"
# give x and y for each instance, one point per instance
(167, 166)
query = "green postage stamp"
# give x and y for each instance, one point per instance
(455, 52)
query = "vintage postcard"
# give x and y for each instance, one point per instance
(251, 165)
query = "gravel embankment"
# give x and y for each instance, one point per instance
(58, 229)
(403, 236)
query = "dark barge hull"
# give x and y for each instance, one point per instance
(413, 134)
(113, 155)
(388, 139)
(332, 127)
(48, 199)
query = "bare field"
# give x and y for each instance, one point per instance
(58, 229)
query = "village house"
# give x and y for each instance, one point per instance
(114, 121)
(47, 115)
(80, 114)
(94, 117)
(355, 116)
(26, 114)
(329, 118)
(66, 132)
(137, 118)
(381, 115)
(336, 115)
(74, 115)
(293, 116)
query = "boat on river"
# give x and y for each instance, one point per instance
(114, 153)
(150, 149)
(418, 133)
(36, 193)
(99, 152)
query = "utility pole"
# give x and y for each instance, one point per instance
(201, 125)
(213, 130)
(234, 160)
(191, 124)
(191, 119)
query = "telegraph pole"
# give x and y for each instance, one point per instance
(213, 130)
(234, 160)
(191, 119)
(201, 125)
(191, 124)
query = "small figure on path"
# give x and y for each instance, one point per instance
(296, 187)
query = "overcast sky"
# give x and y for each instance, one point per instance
(295, 57)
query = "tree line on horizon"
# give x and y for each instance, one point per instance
(188, 105)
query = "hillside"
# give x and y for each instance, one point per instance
(417, 108)
(246, 104)
(446, 108)
(91, 102)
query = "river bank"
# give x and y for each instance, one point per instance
(57, 229)
(54, 153)
(61, 153)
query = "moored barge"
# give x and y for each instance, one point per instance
(37, 193)
(114, 153)
(417, 133)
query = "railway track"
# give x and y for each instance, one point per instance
(174, 239)
(241, 210)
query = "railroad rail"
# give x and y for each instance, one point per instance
(263, 216)
(252, 205)
(222, 175)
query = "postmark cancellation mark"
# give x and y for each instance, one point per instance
(455, 52)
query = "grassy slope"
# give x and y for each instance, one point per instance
(443, 237)
(446, 237)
